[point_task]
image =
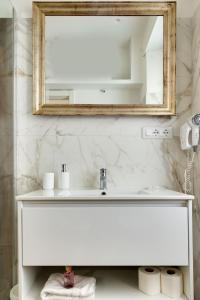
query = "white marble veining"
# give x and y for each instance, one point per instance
(88, 143)
(196, 109)
(185, 9)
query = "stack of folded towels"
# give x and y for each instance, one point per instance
(84, 287)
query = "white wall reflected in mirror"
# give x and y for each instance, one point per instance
(104, 59)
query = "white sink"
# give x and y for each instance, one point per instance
(96, 194)
(102, 193)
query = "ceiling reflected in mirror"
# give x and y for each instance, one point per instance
(104, 60)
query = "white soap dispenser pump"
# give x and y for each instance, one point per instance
(64, 178)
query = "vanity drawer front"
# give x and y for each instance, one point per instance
(78, 234)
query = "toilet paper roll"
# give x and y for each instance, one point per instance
(149, 280)
(172, 282)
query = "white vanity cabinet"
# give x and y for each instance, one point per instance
(92, 230)
(104, 234)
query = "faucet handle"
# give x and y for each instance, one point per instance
(103, 172)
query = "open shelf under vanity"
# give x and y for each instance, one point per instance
(112, 283)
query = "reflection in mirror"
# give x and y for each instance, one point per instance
(104, 60)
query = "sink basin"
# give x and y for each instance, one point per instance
(80, 193)
(102, 193)
(96, 193)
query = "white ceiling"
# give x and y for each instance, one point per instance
(117, 28)
(185, 7)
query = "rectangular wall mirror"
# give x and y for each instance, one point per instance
(104, 58)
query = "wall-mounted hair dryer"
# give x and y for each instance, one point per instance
(189, 133)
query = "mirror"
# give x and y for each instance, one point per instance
(99, 59)
(104, 60)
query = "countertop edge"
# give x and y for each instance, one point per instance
(103, 198)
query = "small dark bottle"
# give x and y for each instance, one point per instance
(68, 278)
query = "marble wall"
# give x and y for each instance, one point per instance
(6, 156)
(88, 143)
(196, 109)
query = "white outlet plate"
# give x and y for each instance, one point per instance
(157, 133)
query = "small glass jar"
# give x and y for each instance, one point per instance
(68, 278)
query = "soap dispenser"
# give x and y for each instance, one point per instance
(63, 183)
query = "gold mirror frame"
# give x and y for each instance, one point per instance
(165, 9)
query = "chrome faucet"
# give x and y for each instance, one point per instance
(103, 179)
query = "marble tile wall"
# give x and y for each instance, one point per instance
(6, 156)
(196, 109)
(88, 143)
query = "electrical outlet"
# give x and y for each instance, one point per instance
(157, 132)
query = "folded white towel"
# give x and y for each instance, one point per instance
(84, 287)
